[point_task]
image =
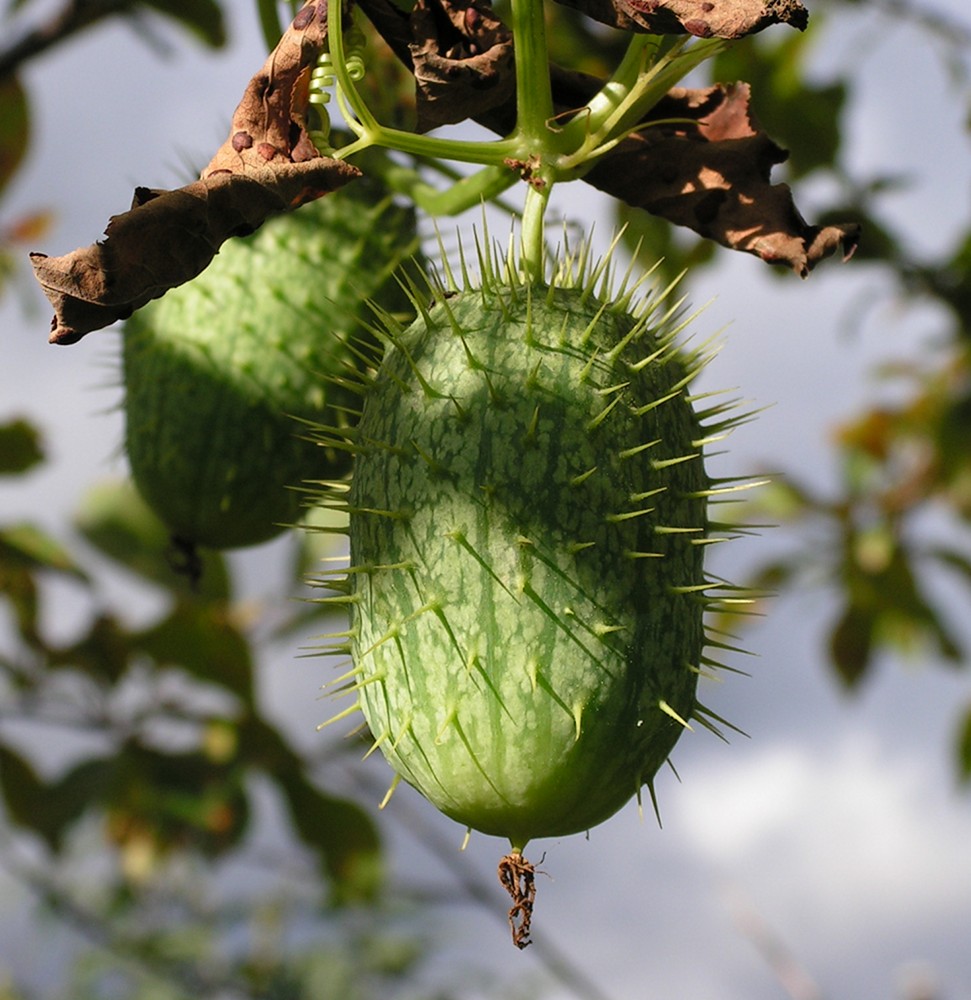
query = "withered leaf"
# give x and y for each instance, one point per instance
(169, 237)
(712, 174)
(267, 165)
(463, 61)
(704, 18)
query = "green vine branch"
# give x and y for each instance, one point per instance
(538, 150)
(77, 16)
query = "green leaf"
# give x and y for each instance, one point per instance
(26, 550)
(784, 499)
(20, 447)
(18, 588)
(655, 243)
(80, 789)
(177, 800)
(964, 749)
(578, 42)
(8, 267)
(14, 128)
(103, 653)
(340, 832)
(851, 643)
(321, 537)
(50, 808)
(25, 546)
(953, 560)
(204, 18)
(269, 22)
(907, 616)
(203, 640)
(115, 519)
(20, 785)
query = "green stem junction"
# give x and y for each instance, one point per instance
(540, 150)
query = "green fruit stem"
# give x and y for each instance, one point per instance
(534, 96)
(533, 239)
(534, 113)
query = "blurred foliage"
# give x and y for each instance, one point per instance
(14, 138)
(186, 680)
(204, 19)
(116, 679)
(20, 447)
(14, 128)
(182, 762)
(898, 463)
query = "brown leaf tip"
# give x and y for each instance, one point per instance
(704, 18)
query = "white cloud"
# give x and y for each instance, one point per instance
(838, 840)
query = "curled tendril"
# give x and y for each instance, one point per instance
(323, 80)
(355, 44)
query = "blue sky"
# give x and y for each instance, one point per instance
(837, 822)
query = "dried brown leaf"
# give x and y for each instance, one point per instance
(711, 173)
(704, 18)
(463, 61)
(267, 165)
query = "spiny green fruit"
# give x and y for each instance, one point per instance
(220, 372)
(528, 517)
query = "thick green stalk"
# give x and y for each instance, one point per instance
(533, 235)
(485, 185)
(534, 96)
(534, 114)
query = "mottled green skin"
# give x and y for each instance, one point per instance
(217, 371)
(509, 669)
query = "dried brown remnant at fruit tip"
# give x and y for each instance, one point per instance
(267, 165)
(184, 559)
(518, 877)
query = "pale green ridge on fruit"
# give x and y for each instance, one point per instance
(219, 373)
(527, 517)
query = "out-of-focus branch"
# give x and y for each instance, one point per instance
(792, 976)
(101, 933)
(75, 16)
